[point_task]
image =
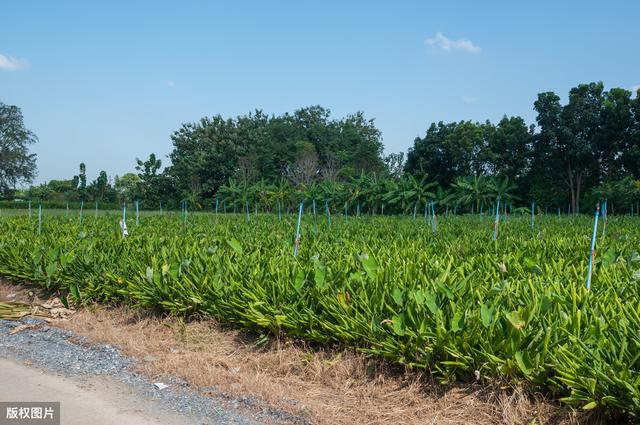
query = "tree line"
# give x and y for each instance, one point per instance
(585, 149)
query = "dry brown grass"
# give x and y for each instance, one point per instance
(322, 386)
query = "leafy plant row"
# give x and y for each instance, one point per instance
(453, 302)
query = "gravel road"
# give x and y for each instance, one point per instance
(61, 352)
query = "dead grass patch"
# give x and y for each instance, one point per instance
(323, 386)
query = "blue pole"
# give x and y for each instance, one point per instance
(315, 227)
(434, 223)
(39, 219)
(297, 241)
(593, 246)
(137, 212)
(495, 224)
(425, 212)
(505, 212)
(604, 218)
(326, 207)
(81, 209)
(124, 218)
(533, 207)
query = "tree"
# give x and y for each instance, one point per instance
(127, 187)
(305, 169)
(509, 155)
(98, 188)
(449, 151)
(17, 165)
(80, 182)
(395, 163)
(581, 117)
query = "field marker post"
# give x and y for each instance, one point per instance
(558, 212)
(67, 209)
(315, 227)
(497, 221)
(533, 216)
(297, 241)
(29, 208)
(96, 209)
(247, 210)
(604, 218)
(592, 254)
(425, 212)
(505, 212)
(279, 211)
(160, 207)
(326, 207)
(39, 219)
(137, 212)
(81, 209)
(123, 222)
(434, 223)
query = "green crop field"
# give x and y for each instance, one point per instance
(448, 299)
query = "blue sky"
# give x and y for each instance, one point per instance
(107, 82)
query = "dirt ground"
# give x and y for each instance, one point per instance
(323, 386)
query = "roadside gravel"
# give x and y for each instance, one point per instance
(62, 352)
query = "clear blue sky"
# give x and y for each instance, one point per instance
(105, 82)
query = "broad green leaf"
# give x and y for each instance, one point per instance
(398, 296)
(524, 362)
(73, 289)
(486, 314)
(235, 245)
(319, 274)
(370, 266)
(398, 324)
(430, 301)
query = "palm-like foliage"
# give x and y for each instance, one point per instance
(501, 189)
(410, 192)
(471, 191)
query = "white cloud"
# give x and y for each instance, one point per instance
(440, 41)
(170, 83)
(9, 63)
(635, 88)
(469, 99)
